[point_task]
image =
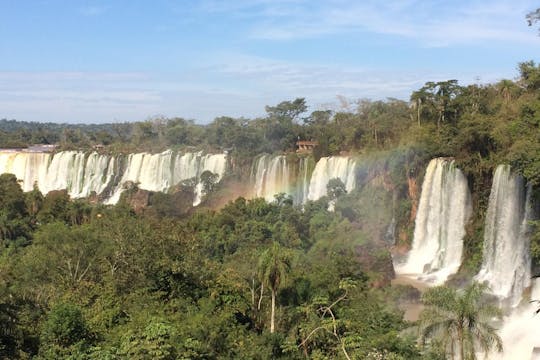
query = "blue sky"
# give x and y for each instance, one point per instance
(113, 61)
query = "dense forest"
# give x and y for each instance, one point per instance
(255, 279)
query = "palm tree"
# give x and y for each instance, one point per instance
(418, 98)
(460, 321)
(274, 264)
(506, 89)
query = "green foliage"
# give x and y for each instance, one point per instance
(55, 207)
(156, 341)
(535, 242)
(209, 181)
(15, 225)
(65, 326)
(335, 188)
(274, 265)
(460, 320)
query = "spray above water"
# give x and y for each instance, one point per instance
(444, 209)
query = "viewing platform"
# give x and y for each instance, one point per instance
(305, 147)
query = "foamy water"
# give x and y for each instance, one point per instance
(520, 332)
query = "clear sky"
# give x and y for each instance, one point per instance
(112, 61)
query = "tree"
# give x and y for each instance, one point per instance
(62, 257)
(154, 342)
(65, 326)
(209, 181)
(460, 320)
(14, 220)
(507, 89)
(274, 265)
(324, 310)
(55, 207)
(533, 17)
(319, 117)
(441, 95)
(287, 111)
(34, 200)
(529, 73)
(8, 325)
(280, 129)
(335, 188)
(418, 99)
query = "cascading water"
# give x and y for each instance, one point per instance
(81, 174)
(444, 209)
(215, 163)
(506, 260)
(327, 168)
(271, 175)
(303, 181)
(519, 332)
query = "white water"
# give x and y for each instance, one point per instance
(303, 180)
(272, 177)
(506, 259)
(520, 330)
(443, 211)
(328, 168)
(81, 174)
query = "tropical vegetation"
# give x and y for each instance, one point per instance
(254, 279)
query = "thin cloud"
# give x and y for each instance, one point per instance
(76, 96)
(236, 85)
(322, 82)
(429, 23)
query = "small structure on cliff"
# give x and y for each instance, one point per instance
(46, 148)
(304, 146)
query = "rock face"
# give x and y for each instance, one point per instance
(412, 188)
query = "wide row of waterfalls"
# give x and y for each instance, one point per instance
(83, 174)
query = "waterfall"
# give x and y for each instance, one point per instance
(519, 331)
(328, 168)
(215, 163)
(506, 259)
(444, 209)
(82, 174)
(303, 180)
(160, 172)
(271, 176)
